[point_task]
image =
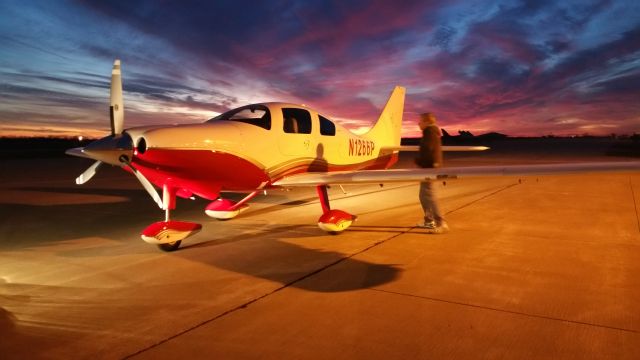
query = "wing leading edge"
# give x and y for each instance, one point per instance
(444, 148)
(409, 175)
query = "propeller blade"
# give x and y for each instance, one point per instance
(147, 186)
(88, 174)
(116, 110)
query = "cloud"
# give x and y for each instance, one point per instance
(509, 66)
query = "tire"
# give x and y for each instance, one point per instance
(172, 246)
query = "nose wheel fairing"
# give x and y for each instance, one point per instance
(167, 232)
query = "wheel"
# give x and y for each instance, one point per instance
(172, 246)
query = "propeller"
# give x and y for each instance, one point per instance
(147, 185)
(88, 174)
(107, 149)
(116, 109)
(117, 148)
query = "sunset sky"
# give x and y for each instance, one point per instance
(524, 68)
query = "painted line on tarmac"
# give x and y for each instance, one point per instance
(635, 204)
(483, 198)
(507, 311)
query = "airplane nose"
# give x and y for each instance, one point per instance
(113, 149)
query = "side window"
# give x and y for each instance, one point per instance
(327, 127)
(296, 121)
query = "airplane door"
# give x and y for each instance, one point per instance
(296, 138)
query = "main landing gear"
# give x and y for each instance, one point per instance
(332, 221)
(168, 234)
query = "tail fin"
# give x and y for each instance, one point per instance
(386, 132)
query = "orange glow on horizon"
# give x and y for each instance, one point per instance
(50, 131)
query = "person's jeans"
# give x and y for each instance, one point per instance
(429, 204)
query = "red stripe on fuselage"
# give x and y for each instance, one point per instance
(206, 173)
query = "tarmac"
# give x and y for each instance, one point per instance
(533, 268)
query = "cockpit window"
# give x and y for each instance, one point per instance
(257, 115)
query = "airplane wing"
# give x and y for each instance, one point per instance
(444, 148)
(419, 174)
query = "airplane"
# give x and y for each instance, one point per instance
(257, 147)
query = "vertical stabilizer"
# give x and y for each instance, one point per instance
(386, 132)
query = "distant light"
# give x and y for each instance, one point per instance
(80, 138)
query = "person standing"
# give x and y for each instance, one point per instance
(430, 156)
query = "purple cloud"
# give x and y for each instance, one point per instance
(519, 67)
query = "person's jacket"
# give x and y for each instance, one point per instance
(430, 155)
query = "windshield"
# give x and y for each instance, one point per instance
(257, 115)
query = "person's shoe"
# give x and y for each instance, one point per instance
(429, 225)
(443, 227)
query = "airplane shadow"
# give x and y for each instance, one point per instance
(276, 257)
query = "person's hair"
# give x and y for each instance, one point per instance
(429, 117)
